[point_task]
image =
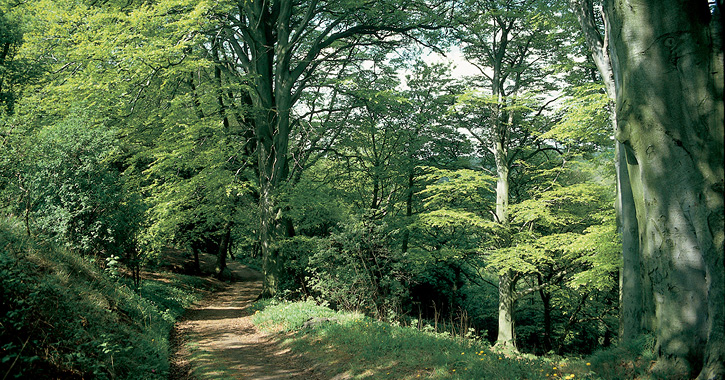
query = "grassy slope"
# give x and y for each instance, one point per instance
(356, 347)
(62, 317)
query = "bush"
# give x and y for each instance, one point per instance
(356, 269)
(74, 191)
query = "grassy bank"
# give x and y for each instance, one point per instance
(355, 347)
(63, 317)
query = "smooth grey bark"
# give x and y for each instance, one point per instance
(506, 284)
(636, 311)
(668, 74)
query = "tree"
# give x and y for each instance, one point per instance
(634, 317)
(72, 193)
(666, 61)
(512, 44)
(564, 241)
(280, 45)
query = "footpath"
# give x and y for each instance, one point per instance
(216, 339)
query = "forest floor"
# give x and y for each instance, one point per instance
(216, 339)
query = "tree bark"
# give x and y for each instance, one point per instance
(507, 285)
(636, 310)
(546, 303)
(506, 311)
(632, 322)
(221, 264)
(668, 73)
(408, 209)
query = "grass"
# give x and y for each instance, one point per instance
(63, 317)
(357, 347)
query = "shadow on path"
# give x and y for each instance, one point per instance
(217, 340)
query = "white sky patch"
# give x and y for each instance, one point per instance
(461, 68)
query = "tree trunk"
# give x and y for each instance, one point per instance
(635, 301)
(197, 265)
(506, 283)
(221, 264)
(270, 232)
(272, 104)
(546, 303)
(506, 299)
(669, 85)
(408, 209)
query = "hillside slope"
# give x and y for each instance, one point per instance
(63, 317)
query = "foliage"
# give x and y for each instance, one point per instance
(629, 361)
(73, 193)
(14, 71)
(586, 122)
(297, 252)
(362, 176)
(357, 269)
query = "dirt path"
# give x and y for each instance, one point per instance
(217, 340)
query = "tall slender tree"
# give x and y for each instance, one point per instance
(508, 45)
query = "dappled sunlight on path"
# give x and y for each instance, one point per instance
(217, 340)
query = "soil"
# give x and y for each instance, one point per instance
(216, 339)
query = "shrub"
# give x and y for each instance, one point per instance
(356, 269)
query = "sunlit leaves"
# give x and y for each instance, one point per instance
(570, 228)
(106, 57)
(586, 122)
(463, 189)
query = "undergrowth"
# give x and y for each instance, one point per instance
(357, 347)
(63, 317)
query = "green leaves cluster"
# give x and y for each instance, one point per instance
(72, 192)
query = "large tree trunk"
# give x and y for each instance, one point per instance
(270, 233)
(635, 301)
(271, 98)
(668, 75)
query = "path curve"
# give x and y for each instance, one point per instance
(216, 339)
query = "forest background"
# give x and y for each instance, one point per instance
(315, 140)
